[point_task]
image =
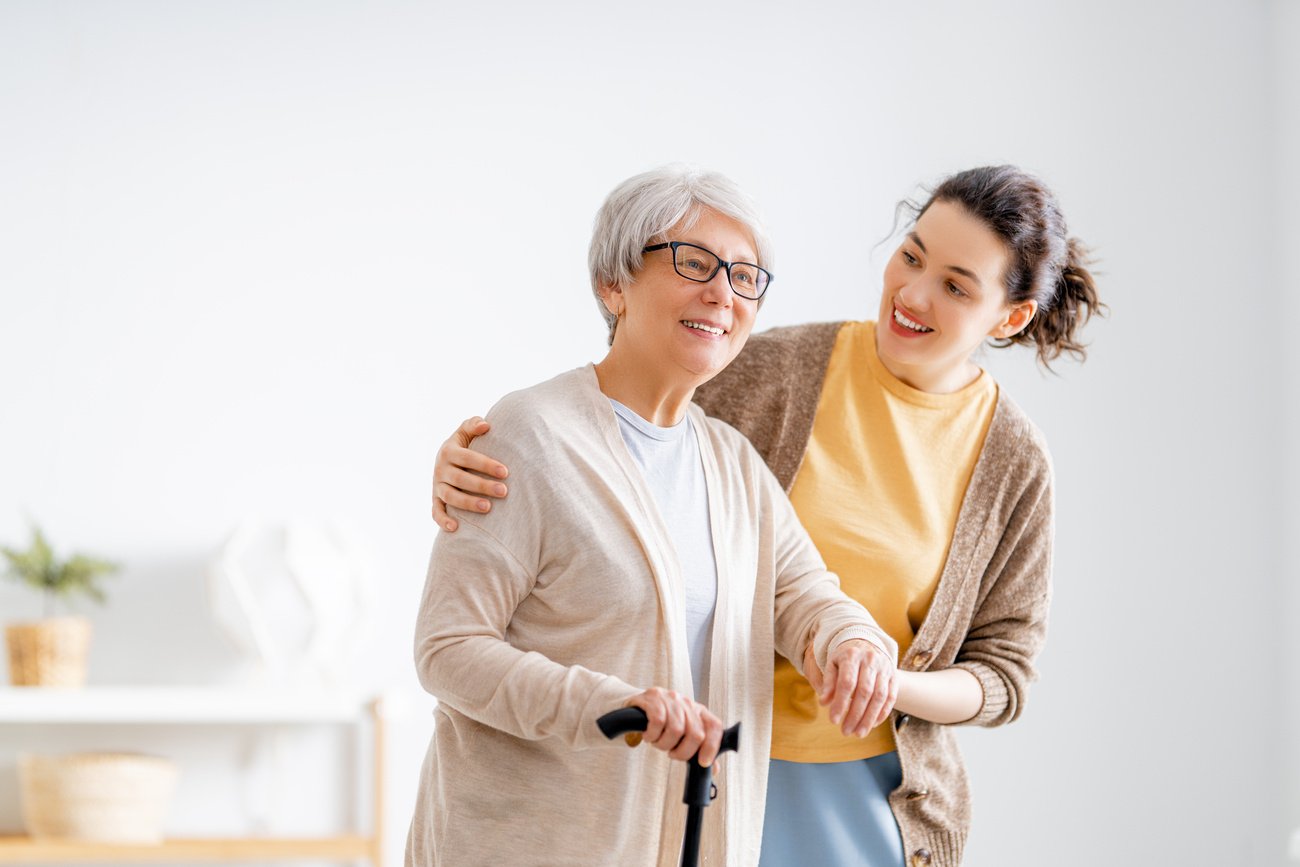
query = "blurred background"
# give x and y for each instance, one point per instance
(257, 259)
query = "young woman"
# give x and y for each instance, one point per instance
(925, 488)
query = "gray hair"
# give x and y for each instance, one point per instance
(643, 208)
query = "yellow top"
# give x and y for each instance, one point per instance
(879, 491)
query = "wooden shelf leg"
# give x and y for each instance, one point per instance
(377, 822)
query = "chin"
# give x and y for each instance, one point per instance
(703, 369)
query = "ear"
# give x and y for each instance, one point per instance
(612, 296)
(1017, 319)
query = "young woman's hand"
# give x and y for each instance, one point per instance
(678, 725)
(453, 482)
(860, 685)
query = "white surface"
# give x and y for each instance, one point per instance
(246, 247)
(1286, 54)
(165, 705)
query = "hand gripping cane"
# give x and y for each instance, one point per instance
(699, 780)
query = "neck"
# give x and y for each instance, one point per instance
(658, 398)
(941, 378)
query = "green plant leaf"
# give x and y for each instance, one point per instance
(41, 569)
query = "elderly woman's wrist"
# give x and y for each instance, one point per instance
(879, 640)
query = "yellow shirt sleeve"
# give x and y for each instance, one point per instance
(879, 490)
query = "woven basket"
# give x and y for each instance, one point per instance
(49, 652)
(102, 797)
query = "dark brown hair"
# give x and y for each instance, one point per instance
(1047, 265)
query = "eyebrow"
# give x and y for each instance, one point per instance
(965, 272)
(753, 261)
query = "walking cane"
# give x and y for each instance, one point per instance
(699, 780)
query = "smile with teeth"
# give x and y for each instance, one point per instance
(700, 326)
(908, 323)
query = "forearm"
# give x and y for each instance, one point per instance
(462, 656)
(524, 694)
(809, 604)
(949, 696)
(821, 615)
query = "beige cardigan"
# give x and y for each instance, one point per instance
(566, 600)
(989, 613)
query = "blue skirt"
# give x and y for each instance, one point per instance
(832, 814)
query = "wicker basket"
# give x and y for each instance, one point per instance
(49, 652)
(103, 797)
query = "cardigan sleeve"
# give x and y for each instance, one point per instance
(1009, 625)
(473, 587)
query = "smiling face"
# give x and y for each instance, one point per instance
(943, 295)
(677, 330)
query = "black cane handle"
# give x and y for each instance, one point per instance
(621, 721)
(633, 719)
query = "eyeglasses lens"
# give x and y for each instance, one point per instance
(748, 280)
(696, 263)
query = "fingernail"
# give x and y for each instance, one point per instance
(499, 490)
(484, 505)
(501, 472)
(451, 525)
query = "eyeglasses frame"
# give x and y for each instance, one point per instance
(722, 263)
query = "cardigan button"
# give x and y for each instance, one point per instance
(920, 659)
(920, 857)
(918, 794)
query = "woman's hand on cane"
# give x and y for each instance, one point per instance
(679, 725)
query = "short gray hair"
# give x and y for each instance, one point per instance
(643, 208)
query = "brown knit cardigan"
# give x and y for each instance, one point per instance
(989, 613)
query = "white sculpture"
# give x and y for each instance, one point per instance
(294, 595)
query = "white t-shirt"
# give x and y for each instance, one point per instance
(669, 458)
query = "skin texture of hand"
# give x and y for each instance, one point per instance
(949, 696)
(860, 685)
(678, 725)
(455, 482)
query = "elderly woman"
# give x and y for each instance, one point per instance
(665, 577)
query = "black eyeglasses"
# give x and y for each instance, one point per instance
(696, 263)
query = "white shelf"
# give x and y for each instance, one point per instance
(167, 705)
(174, 704)
(24, 850)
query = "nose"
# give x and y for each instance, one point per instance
(718, 289)
(913, 294)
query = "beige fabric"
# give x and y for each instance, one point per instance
(564, 601)
(989, 613)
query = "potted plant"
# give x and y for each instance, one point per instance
(52, 651)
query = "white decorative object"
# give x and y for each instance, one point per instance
(293, 595)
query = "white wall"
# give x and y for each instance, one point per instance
(257, 258)
(1286, 38)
